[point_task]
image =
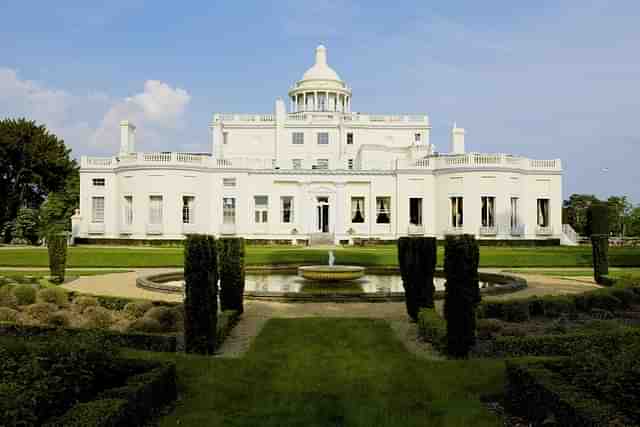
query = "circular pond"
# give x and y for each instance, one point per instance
(288, 286)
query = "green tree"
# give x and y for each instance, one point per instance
(576, 211)
(633, 223)
(27, 226)
(33, 164)
(619, 213)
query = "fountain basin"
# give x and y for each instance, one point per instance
(331, 273)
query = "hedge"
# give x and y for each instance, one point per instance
(432, 328)
(535, 391)
(417, 258)
(130, 404)
(226, 322)
(231, 264)
(560, 345)
(57, 249)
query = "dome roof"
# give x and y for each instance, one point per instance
(320, 70)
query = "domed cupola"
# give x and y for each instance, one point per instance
(321, 88)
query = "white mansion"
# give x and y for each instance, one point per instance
(318, 172)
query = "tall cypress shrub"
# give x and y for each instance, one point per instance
(462, 293)
(57, 249)
(232, 274)
(417, 260)
(599, 220)
(200, 304)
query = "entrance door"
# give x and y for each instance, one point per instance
(323, 214)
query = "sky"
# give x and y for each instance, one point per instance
(544, 79)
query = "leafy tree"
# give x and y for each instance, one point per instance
(33, 163)
(619, 213)
(633, 223)
(27, 226)
(576, 212)
(56, 211)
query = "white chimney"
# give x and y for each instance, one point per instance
(127, 137)
(457, 140)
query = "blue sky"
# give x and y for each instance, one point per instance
(545, 79)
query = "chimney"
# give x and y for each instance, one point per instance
(127, 137)
(457, 140)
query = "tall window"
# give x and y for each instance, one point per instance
(457, 219)
(98, 182)
(350, 138)
(297, 163)
(262, 209)
(97, 209)
(155, 209)
(225, 138)
(286, 203)
(322, 164)
(323, 138)
(515, 222)
(415, 210)
(383, 210)
(357, 210)
(297, 138)
(543, 212)
(128, 210)
(417, 137)
(228, 210)
(488, 211)
(188, 203)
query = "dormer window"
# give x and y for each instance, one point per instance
(350, 138)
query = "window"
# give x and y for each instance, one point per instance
(225, 138)
(228, 210)
(97, 209)
(543, 212)
(128, 210)
(515, 222)
(262, 209)
(228, 182)
(286, 203)
(383, 210)
(322, 164)
(488, 211)
(188, 209)
(297, 138)
(98, 182)
(323, 138)
(417, 138)
(456, 212)
(297, 163)
(350, 138)
(357, 210)
(350, 163)
(155, 209)
(415, 210)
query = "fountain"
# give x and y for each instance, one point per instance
(331, 272)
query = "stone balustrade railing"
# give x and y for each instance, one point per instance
(315, 116)
(462, 161)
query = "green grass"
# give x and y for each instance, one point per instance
(110, 257)
(633, 273)
(331, 372)
(70, 272)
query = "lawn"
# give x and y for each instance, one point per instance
(112, 257)
(633, 273)
(331, 372)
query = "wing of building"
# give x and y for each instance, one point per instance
(316, 171)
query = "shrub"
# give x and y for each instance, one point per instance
(147, 325)
(137, 309)
(82, 302)
(557, 306)
(417, 260)
(7, 298)
(60, 318)
(41, 311)
(231, 260)
(57, 296)
(488, 328)
(26, 226)
(200, 303)
(97, 317)
(517, 311)
(57, 248)
(8, 314)
(432, 328)
(462, 293)
(165, 316)
(25, 294)
(226, 321)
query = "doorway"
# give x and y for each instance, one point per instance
(322, 214)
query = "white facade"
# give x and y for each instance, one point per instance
(318, 172)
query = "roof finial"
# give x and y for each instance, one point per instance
(321, 55)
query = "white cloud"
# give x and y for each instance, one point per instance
(89, 123)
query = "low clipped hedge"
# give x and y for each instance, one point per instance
(433, 328)
(560, 345)
(131, 404)
(537, 392)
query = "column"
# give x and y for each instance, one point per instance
(315, 101)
